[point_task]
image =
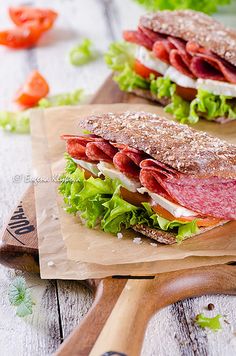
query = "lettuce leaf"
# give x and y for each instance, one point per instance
(211, 106)
(99, 202)
(210, 323)
(184, 229)
(17, 122)
(162, 87)
(129, 80)
(82, 53)
(207, 6)
(72, 98)
(120, 58)
(119, 54)
(178, 107)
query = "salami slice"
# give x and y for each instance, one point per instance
(178, 61)
(211, 196)
(210, 67)
(180, 46)
(128, 161)
(89, 148)
(100, 151)
(139, 38)
(154, 36)
(162, 48)
(76, 146)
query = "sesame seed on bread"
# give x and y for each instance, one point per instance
(194, 26)
(189, 151)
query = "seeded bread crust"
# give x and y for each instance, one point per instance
(168, 238)
(187, 150)
(194, 26)
(144, 93)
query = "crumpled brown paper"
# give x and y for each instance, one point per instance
(71, 251)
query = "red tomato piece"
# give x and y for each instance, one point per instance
(143, 71)
(186, 93)
(19, 38)
(34, 89)
(33, 17)
(201, 221)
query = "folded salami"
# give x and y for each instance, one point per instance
(141, 171)
(184, 59)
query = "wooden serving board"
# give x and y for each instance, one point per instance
(117, 321)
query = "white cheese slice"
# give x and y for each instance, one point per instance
(91, 167)
(216, 87)
(180, 78)
(150, 61)
(110, 171)
(175, 209)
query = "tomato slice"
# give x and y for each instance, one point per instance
(186, 93)
(33, 17)
(34, 89)
(202, 221)
(20, 37)
(134, 198)
(143, 71)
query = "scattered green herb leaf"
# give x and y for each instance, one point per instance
(17, 122)
(211, 323)
(20, 297)
(82, 53)
(72, 98)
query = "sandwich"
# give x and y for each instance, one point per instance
(185, 60)
(136, 170)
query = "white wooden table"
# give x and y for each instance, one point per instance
(60, 305)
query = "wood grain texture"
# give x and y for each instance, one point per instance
(83, 337)
(171, 331)
(125, 327)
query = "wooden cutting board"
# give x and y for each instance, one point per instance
(116, 322)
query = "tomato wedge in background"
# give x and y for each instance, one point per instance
(33, 17)
(143, 71)
(202, 221)
(34, 89)
(19, 37)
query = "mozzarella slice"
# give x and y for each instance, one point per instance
(216, 87)
(180, 79)
(110, 171)
(175, 209)
(91, 167)
(150, 61)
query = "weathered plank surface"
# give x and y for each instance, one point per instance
(61, 305)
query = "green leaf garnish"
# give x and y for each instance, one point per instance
(82, 53)
(211, 323)
(99, 202)
(119, 54)
(129, 80)
(72, 98)
(211, 106)
(17, 122)
(20, 297)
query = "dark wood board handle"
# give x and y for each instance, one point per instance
(19, 243)
(82, 338)
(122, 308)
(140, 299)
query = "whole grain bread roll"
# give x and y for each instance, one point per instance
(187, 150)
(194, 26)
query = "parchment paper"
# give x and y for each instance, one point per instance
(79, 252)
